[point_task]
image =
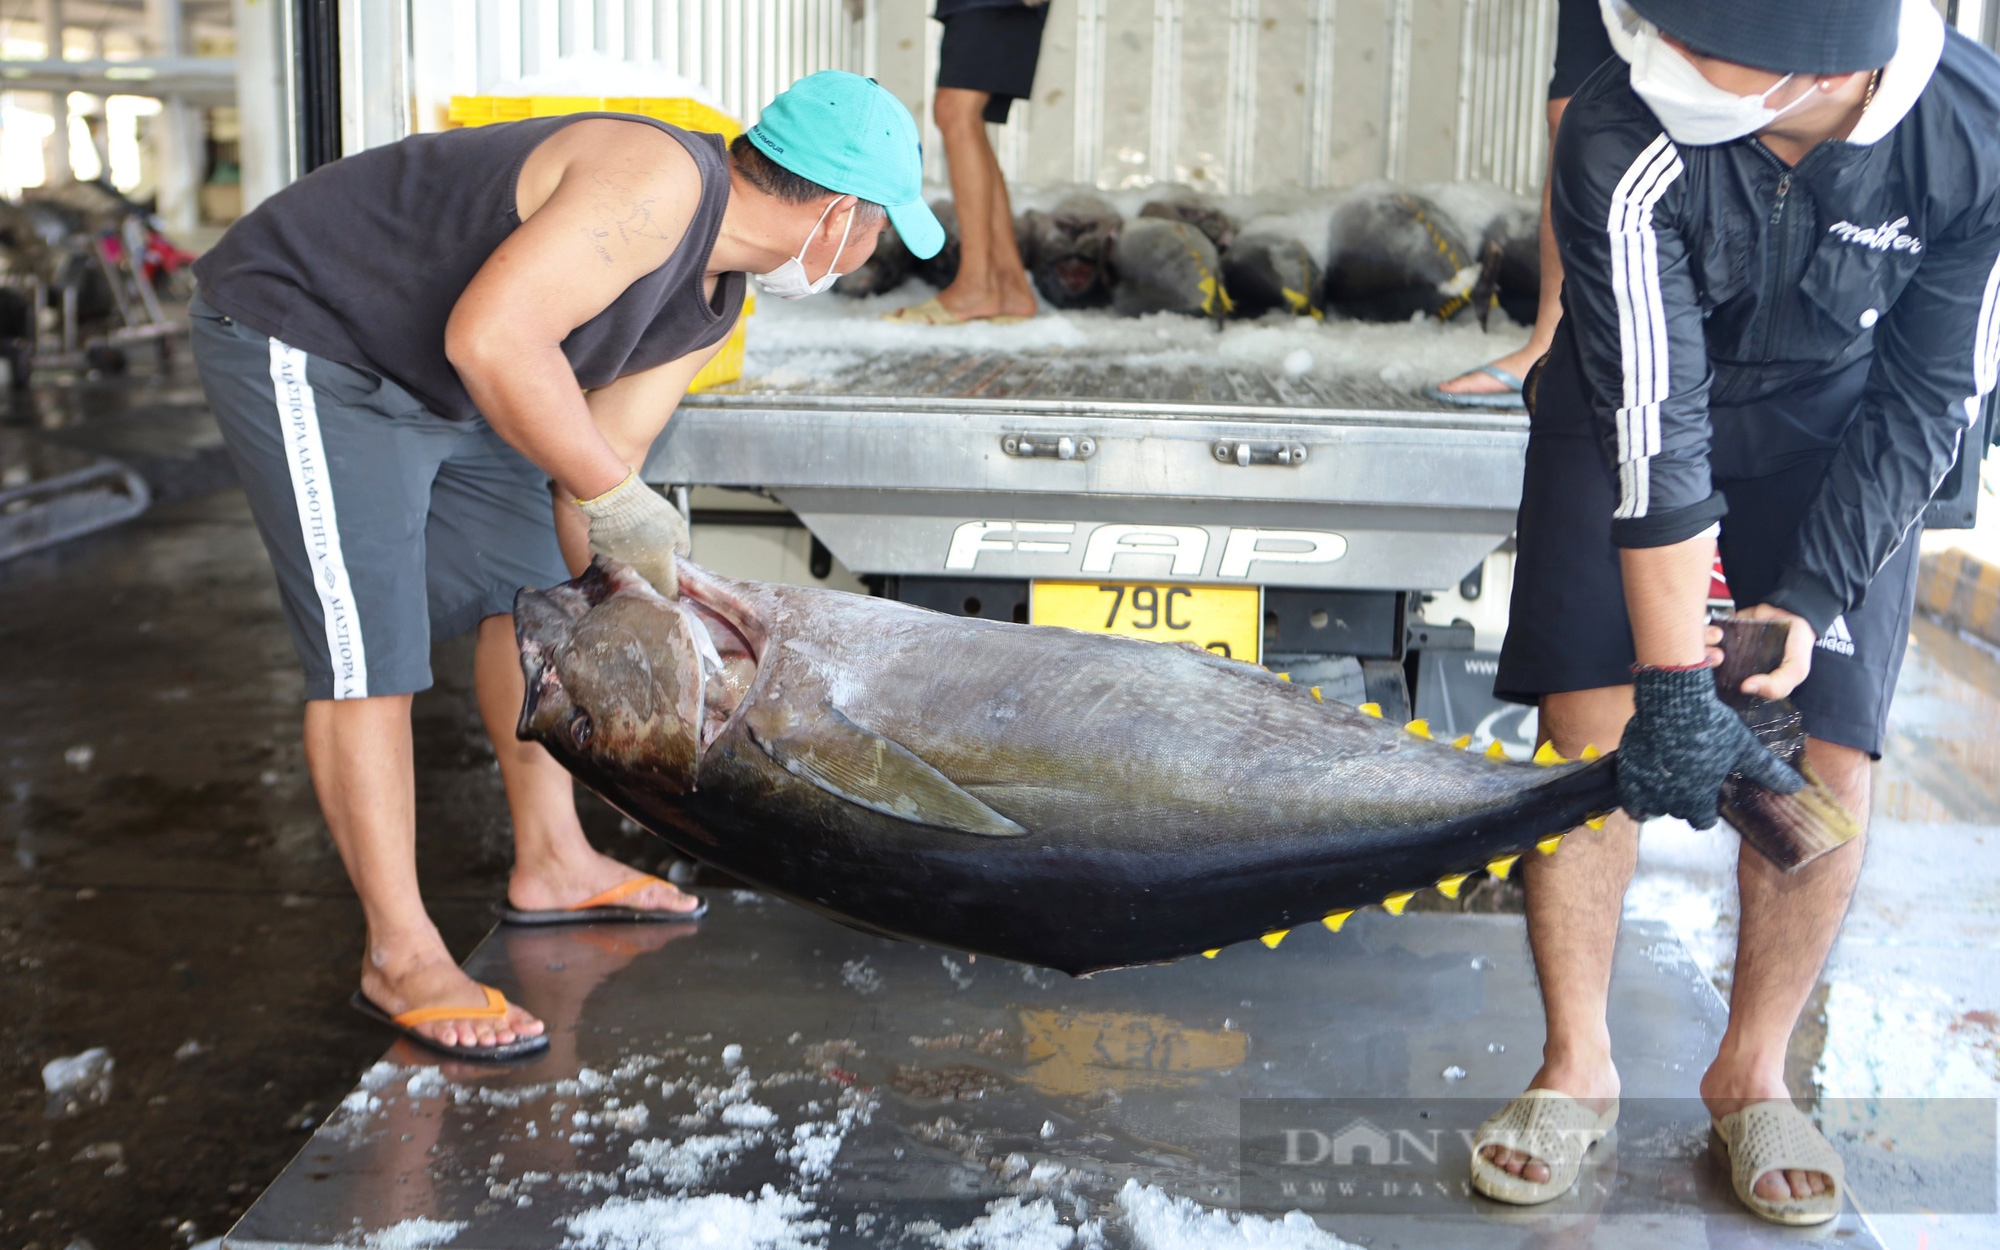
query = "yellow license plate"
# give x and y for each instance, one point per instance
(1228, 620)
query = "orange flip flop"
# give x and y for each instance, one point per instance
(604, 908)
(495, 1009)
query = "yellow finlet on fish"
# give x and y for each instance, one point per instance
(1211, 954)
(1448, 886)
(1395, 903)
(1334, 919)
(1548, 845)
(1284, 676)
(1502, 866)
(1597, 822)
(1274, 937)
(1419, 727)
(1496, 751)
(1316, 698)
(1590, 752)
(1462, 741)
(1546, 755)
(1370, 709)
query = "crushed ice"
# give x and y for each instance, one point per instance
(766, 1221)
(417, 1234)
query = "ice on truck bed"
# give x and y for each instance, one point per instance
(841, 346)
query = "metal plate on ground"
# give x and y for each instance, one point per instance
(769, 1078)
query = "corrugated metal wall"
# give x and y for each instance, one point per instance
(1224, 95)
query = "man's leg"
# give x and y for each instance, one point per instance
(1788, 924)
(554, 863)
(359, 753)
(356, 613)
(989, 259)
(1575, 899)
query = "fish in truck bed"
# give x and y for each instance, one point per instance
(1074, 800)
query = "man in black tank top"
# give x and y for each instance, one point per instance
(411, 349)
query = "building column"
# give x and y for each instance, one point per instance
(55, 148)
(178, 130)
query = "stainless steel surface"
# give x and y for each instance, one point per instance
(897, 464)
(937, 1085)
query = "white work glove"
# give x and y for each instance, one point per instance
(631, 522)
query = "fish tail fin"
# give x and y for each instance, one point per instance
(1787, 829)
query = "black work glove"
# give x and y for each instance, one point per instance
(1680, 746)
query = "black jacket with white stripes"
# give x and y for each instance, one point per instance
(1717, 275)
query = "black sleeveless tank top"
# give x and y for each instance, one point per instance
(362, 261)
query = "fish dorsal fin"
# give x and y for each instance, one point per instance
(863, 767)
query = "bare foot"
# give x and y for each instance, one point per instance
(1477, 383)
(969, 301)
(551, 886)
(1592, 1082)
(400, 976)
(1725, 1091)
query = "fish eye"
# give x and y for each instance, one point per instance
(580, 728)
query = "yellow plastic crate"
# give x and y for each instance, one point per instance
(727, 365)
(481, 110)
(484, 110)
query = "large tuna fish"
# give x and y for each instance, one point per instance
(1067, 799)
(1068, 251)
(1393, 256)
(1270, 271)
(1166, 266)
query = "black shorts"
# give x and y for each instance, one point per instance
(993, 50)
(1582, 45)
(1567, 628)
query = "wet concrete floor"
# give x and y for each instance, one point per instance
(171, 895)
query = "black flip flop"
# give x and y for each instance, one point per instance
(496, 1005)
(604, 909)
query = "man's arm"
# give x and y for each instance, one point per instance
(1637, 321)
(618, 210)
(1936, 352)
(630, 414)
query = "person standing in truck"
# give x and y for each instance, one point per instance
(1581, 46)
(986, 61)
(1780, 229)
(410, 350)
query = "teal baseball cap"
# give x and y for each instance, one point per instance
(850, 135)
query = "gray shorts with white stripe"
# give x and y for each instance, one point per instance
(390, 527)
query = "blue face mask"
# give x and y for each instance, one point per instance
(789, 281)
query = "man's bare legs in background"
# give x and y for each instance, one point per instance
(1547, 314)
(991, 280)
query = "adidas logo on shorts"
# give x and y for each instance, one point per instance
(1836, 638)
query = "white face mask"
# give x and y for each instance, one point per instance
(789, 281)
(1694, 110)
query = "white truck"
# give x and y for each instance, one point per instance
(1327, 522)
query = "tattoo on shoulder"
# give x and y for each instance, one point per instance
(627, 207)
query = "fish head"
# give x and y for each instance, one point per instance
(616, 677)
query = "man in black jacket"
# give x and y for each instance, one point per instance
(1780, 227)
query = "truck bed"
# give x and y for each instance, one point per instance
(1117, 447)
(1083, 376)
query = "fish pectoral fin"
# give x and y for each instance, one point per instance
(853, 763)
